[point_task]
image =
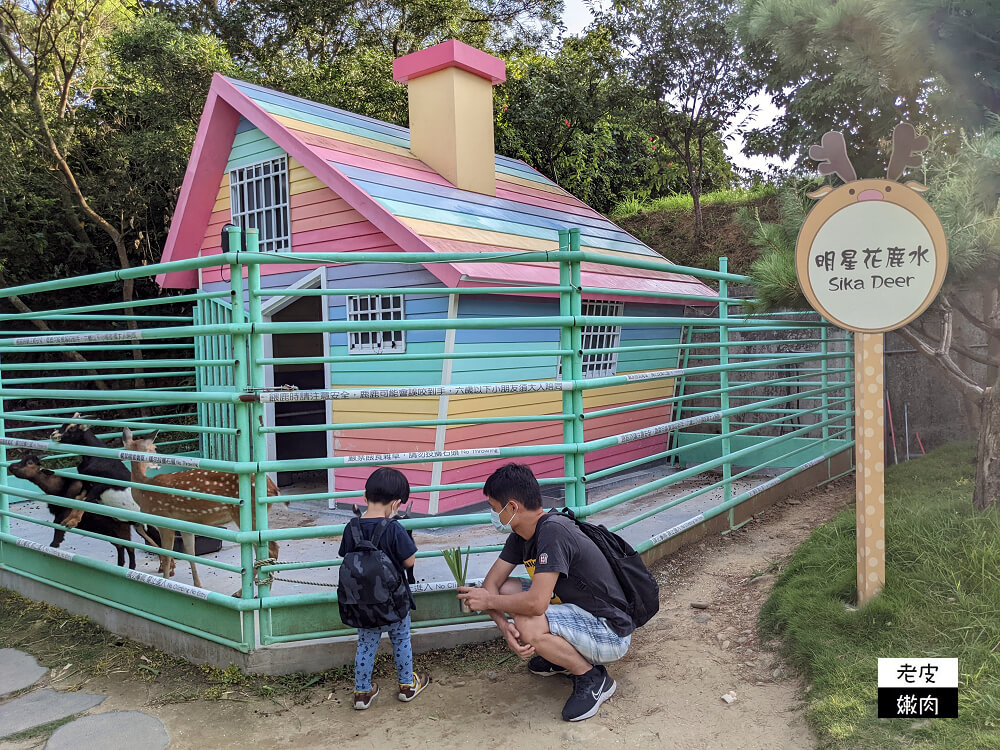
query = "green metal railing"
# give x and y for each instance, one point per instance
(734, 419)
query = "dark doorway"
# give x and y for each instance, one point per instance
(304, 444)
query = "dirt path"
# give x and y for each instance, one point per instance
(670, 685)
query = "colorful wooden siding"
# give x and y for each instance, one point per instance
(369, 164)
(321, 221)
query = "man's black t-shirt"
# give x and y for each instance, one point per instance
(585, 576)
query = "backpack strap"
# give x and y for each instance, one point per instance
(357, 535)
(379, 531)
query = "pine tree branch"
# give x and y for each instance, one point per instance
(943, 361)
(990, 330)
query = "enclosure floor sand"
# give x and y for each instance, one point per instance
(669, 685)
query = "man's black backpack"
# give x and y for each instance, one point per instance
(371, 592)
(642, 593)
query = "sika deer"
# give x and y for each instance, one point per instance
(184, 508)
(30, 468)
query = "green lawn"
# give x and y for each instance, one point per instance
(942, 599)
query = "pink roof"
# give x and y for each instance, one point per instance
(367, 164)
(450, 54)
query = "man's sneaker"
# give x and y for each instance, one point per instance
(590, 690)
(544, 668)
(364, 700)
(409, 692)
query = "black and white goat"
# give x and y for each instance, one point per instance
(30, 468)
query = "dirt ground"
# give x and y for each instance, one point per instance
(670, 685)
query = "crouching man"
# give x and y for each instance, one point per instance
(570, 619)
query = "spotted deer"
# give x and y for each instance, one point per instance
(185, 508)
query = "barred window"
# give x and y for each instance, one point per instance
(376, 308)
(603, 364)
(259, 200)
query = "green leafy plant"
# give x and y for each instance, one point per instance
(458, 563)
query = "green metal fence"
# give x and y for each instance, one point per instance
(744, 417)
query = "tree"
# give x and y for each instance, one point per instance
(862, 67)
(937, 61)
(694, 71)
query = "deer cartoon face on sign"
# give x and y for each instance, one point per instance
(871, 255)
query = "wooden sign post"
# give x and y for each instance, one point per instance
(871, 256)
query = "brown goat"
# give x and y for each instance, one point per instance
(185, 508)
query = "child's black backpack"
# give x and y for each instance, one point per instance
(642, 593)
(371, 592)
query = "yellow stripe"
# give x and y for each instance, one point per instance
(222, 197)
(480, 236)
(389, 148)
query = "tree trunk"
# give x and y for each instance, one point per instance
(699, 225)
(987, 492)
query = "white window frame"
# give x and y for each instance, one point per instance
(259, 199)
(599, 337)
(376, 307)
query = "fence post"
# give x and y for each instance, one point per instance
(255, 371)
(727, 467)
(824, 336)
(243, 431)
(566, 370)
(4, 497)
(576, 336)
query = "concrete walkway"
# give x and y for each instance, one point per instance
(25, 704)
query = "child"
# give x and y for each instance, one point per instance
(373, 593)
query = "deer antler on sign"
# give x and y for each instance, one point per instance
(906, 148)
(832, 155)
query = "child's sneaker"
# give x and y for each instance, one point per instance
(364, 700)
(409, 692)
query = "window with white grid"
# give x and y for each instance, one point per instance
(259, 200)
(599, 337)
(376, 308)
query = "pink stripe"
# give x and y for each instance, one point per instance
(310, 197)
(302, 224)
(319, 208)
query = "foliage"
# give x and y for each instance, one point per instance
(694, 72)
(679, 201)
(940, 599)
(574, 116)
(458, 563)
(862, 67)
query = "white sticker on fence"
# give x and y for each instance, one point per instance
(629, 437)
(422, 455)
(163, 583)
(38, 547)
(653, 375)
(679, 528)
(18, 443)
(781, 478)
(76, 338)
(157, 458)
(415, 391)
(443, 585)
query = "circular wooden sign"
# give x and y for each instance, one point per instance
(871, 255)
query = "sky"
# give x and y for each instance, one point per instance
(576, 16)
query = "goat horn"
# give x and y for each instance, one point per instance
(906, 148)
(832, 155)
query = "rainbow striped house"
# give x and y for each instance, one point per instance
(315, 178)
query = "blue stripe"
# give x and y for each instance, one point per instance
(550, 232)
(260, 94)
(378, 183)
(361, 131)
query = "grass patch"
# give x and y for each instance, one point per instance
(57, 638)
(942, 599)
(42, 730)
(684, 202)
